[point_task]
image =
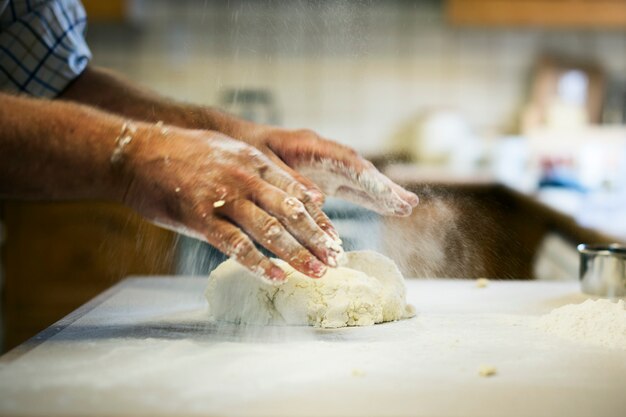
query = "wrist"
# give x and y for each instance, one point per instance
(130, 146)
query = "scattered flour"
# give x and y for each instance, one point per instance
(367, 289)
(600, 322)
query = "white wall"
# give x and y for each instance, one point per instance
(353, 70)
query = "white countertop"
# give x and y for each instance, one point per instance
(144, 348)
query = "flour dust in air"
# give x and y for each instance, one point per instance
(367, 289)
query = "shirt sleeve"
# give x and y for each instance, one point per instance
(42, 46)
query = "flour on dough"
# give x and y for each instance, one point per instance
(367, 289)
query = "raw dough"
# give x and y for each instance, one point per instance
(367, 289)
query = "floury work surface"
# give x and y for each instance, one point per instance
(144, 348)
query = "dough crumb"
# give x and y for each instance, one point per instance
(482, 282)
(358, 373)
(487, 370)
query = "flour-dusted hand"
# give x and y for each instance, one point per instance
(198, 182)
(227, 193)
(336, 169)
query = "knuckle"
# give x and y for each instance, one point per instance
(238, 244)
(298, 190)
(271, 227)
(256, 158)
(305, 196)
(253, 156)
(292, 208)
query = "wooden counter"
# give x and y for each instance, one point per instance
(57, 256)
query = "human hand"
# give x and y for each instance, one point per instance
(220, 190)
(335, 169)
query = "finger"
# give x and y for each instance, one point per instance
(382, 189)
(282, 180)
(231, 241)
(333, 166)
(385, 202)
(270, 233)
(322, 220)
(368, 187)
(292, 214)
(316, 195)
(406, 195)
(310, 147)
(362, 199)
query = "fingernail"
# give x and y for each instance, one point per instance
(334, 235)
(341, 258)
(403, 209)
(316, 268)
(277, 274)
(414, 200)
(316, 196)
(336, 257)
(332, 245)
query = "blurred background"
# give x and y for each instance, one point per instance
(507, 117)
(532, 92)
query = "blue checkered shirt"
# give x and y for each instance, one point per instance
(42, 45)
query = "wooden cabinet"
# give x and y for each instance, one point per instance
(538, 13)
(476, 230)
(106, 11)
(57, 256)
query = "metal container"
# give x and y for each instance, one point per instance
(603, 269)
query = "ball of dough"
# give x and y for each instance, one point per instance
(367, 289)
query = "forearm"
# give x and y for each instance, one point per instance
(58, 150)
(113, 93)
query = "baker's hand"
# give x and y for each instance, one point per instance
(336, 169)
(227, 193)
